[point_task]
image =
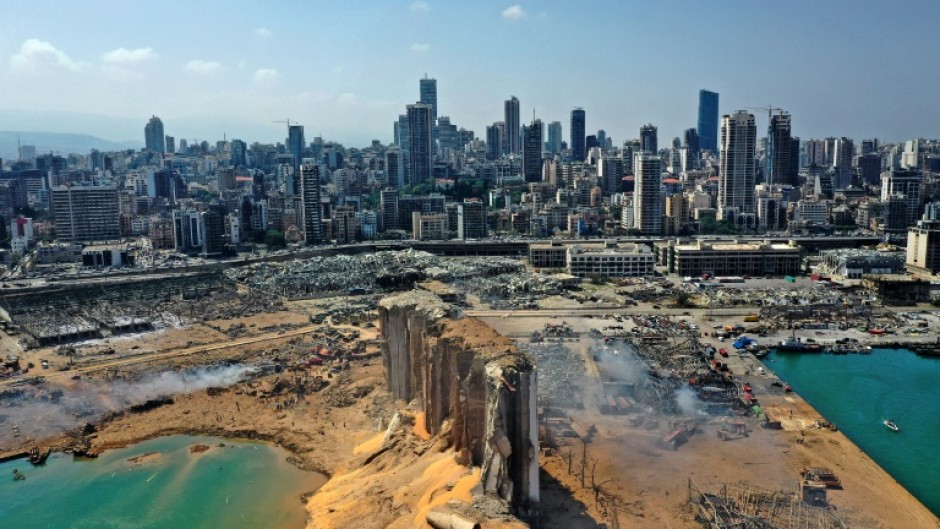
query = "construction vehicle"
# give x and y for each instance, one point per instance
(822, 475)
(678, 435)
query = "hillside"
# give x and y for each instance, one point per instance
(59, 143)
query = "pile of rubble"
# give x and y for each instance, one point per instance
(390, 271)
(560, 374)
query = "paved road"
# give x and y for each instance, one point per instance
(591, 311)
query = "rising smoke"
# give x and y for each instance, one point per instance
(687, 401)
(41, 411)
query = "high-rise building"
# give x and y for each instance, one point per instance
(512, 126)
(86, 213)
(693, 145)
(213, 230)
(907, 187)
(295, 145)
(494, 141)
(738, 167)
(843, 153)
(310, 194)
(429, 96)
(419, 143)
(647, 196)
(648, 138)
(554, 137)
(708, 120)
(170, 143)
(388, 206)
(601, 138)
(532, 151)
(578, 147)
(393, 166)
(239, 153)
(778, 158)
(923, 241)
(611, 174)
(868, 146)
(630, 148)
(869, 168)
(471, 219)
(154, 139)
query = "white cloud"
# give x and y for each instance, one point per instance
(262, 32)
(126, 56)
(120, 73)
(420, 7)
(420, 48)
(201, 67)
(346, 98)
(265, 75)
(38, 55)
(514, 12)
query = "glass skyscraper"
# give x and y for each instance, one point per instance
(578, 151)
(708, 120)
(429, 96)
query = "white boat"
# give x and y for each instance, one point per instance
(889, 424)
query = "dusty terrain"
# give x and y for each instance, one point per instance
(338, 431)
(630, 479)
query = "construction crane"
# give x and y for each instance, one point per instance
(769, 108)
(284, 121)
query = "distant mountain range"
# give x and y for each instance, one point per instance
(59, 143)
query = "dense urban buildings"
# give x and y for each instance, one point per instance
(215, 198)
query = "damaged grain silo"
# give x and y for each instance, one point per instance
(460, 369)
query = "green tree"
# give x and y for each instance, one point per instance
(275, 239)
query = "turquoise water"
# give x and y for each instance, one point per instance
(239, 486)
(856, 392)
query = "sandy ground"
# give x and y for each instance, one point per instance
(647, 484)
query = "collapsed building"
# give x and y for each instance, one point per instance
(473, 385)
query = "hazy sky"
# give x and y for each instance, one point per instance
(346, 69)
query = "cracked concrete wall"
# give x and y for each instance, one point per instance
(460, 369)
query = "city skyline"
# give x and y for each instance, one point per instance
(340, 82)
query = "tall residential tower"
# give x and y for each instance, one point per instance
(420, 144)
(532, 151)
(513, 144)
(578, 148)
(738, 168)
(154, 139)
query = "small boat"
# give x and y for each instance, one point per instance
(889, 424)
(795, 345)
